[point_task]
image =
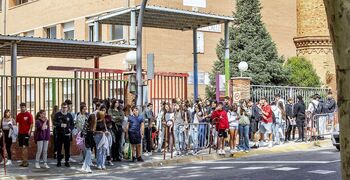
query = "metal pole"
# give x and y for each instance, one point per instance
(96, 59)
(227, 60)
(195, 64)
(13, 79)
(4, 10)
(132, 32)
(77, 92)
(139, 56)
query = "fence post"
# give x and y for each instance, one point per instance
(53, 92)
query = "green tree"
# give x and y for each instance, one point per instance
(302, 73)
(250, 42)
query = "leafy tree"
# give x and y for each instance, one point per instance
(302, 73)
(249, 41)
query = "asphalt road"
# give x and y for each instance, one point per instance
(304, 165)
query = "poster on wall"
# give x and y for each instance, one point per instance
(195, 3)
(220, 87)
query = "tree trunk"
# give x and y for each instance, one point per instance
(338, 14)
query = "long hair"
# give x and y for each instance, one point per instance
(37, 116)
(127, 109)
(92, 121)
(280, 106)
(100, 115)
(5, 112)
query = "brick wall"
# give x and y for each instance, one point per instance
(240, 85)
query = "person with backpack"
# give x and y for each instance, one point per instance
(313, 111)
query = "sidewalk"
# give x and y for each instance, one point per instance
(156, 160)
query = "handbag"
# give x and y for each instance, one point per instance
(127, 150)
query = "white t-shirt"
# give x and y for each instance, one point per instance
(232, 119)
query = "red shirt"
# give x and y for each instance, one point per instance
(221, 119)
(24, 120)
(267, 118)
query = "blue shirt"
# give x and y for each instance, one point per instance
(135, 123)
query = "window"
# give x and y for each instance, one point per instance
(29, 34)
(200, 42)
(68, 30)
(117, 32)
(18, 2)
(91, 33)
(203, 78)
(51, 32)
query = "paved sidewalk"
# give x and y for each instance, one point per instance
(156, 160)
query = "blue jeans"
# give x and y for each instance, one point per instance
(201, 137)
(179, 137)
(87, 159)
(244, 137)
(101, 152)
(194, 136)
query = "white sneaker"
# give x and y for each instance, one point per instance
(72, 160)
(270, 144)
(46, 166)
(9, 162)
(99, 167)
(223, 152)
(2, 162)
(261, 144)
(37, 165)
(88, 170)
(219, 152)
(104, 167)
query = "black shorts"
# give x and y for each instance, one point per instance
(23, 140)
(135, 138)
(222, 133)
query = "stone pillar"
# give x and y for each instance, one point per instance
(240, 88)
(313, 41)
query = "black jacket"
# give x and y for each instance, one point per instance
(64, 119)
(289, 110)
(256, 113)
(331, 105)
(299, 111)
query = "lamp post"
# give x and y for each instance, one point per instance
(242, 66)
(130, 60)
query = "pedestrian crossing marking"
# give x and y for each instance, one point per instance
(321, 172)
(221, 168)
(285, 169)
(192, 167)
(253, 168)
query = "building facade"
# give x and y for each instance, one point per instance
(173, 49)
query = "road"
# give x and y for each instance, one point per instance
(323, 164)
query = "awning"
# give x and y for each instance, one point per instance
(59, 48)
(161, 17)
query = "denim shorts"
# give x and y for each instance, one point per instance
(265, 128)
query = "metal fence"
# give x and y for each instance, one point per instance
(45, 92)
(269, 92)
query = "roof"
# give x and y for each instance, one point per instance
(59, 48)
(161, 17)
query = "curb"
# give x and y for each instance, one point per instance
(207, 157)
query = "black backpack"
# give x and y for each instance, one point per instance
(318, 109)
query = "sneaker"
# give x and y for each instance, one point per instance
(261, 144)
(25, 164)
(223, 152)
(133, 159)
(72, 160)
(109, 163)
(246, 151)
(37, 165)
(103, 167)
(99, 167)
(88, 170)
(8, 163)
(139, 159)
(67, 164)
(270, 144)
(46, 166)
(59, 164)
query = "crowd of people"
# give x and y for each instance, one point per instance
(114, 131)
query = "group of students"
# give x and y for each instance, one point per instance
(102, 131)
(179, 124)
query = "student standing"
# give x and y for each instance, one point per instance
(7, 122)
(117, 114)
(221, 119)
(42, 137)
(64, 124)
(88, 134)
(25, 124)
(135, 134)
(101, 141)
(299, 114)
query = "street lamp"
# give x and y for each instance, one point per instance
(242, 66)
(130, 61)
(130, 58)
